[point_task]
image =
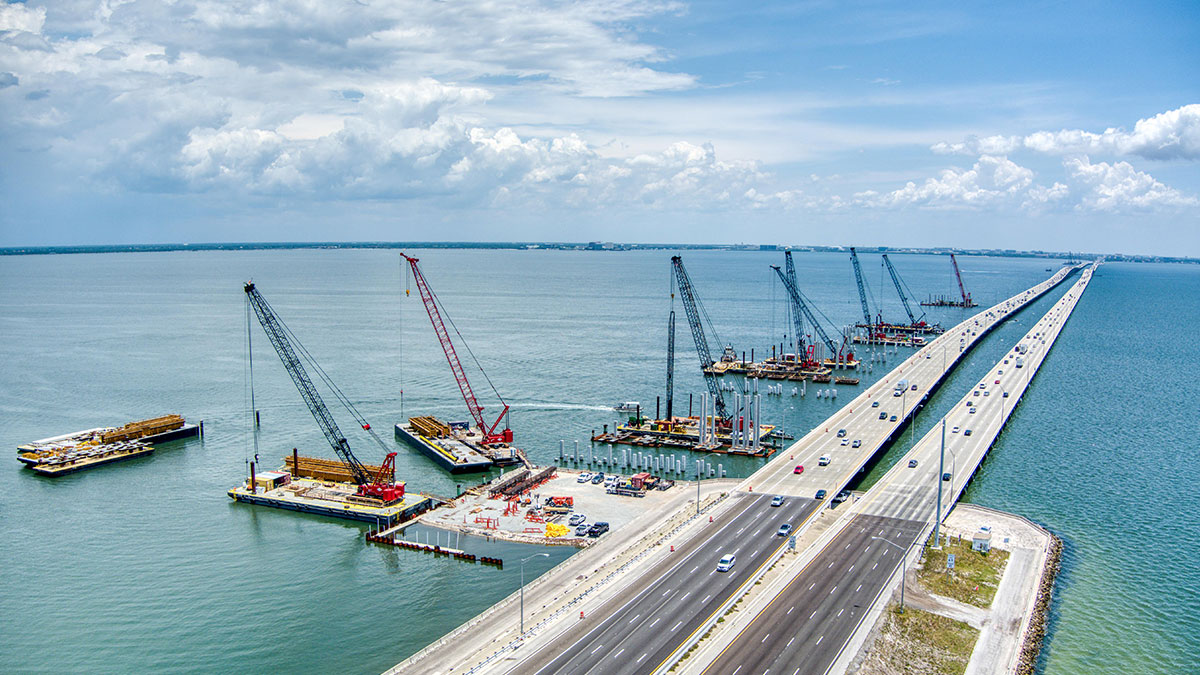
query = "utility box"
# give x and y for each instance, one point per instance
(269, 480)
(982, 541)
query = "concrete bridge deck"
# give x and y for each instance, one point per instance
(843, 582)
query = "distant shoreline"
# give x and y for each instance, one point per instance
(568, 246)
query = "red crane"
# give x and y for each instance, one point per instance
(966, 298)
(439, 327)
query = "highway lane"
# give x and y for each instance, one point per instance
(817, 612)
(637, 633)
(905, 499)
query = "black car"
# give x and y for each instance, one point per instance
(821, 494)
(883, 416)
(966, 432)
(874, 404)
(598, 529)
(598, 478)
(912, 463)
(946, 476)
(893, 418)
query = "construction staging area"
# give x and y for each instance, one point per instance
(637, 624)
(528, 516)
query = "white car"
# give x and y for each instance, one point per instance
(583, 477)
(725, 564)
(954, 430)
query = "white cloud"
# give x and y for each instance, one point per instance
(990, 181)
(1118, 187)
(1174, 134)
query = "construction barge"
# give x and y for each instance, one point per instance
(456, 447)
(685, 432)
(326, 487)
(68, 453)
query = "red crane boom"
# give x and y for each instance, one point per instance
(962, 291)
(460, 375)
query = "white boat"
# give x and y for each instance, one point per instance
(627, 406)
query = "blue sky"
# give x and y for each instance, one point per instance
(1048, 125)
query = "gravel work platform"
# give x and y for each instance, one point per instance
(469, 513)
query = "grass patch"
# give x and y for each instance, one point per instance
(975, 575)
(920, 643)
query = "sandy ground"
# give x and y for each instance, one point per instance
(1003, 625)
(590, 500)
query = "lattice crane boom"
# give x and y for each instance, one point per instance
(799, 300)
(460, 375)
(687, 294)
(966, 298)
(670, 363)
(862, 288)
(379, 486)
(797, 312)
(912, 320)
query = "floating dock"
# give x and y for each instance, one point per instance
(68, 453)
(456, 447)
(280, 490)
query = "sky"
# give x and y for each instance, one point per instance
(1069, 126)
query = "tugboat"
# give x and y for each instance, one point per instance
(627, 406)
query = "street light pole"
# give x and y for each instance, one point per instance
(544, 555)
(937, 511)
(903, 567)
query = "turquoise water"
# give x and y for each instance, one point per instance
(147, 565)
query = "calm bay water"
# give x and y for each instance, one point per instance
(147, 565)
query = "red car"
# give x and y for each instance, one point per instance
(997, 381)
(799, 469)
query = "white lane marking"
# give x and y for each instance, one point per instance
(642, 657)
(618, 653)
(840, 612)
(830, 565)
(813, 614)
(685, 596)
(666, 591)
(810, 586)
(735, 670)
(635, 618)
(851, 569)
(764, 638)
(598, 648)
(677, 626)
(790, 609)
(819, 640)
(754, 554)
(741, 530)
(711, 573)
(789, 644)
(655, 621)
(705, 601)
(858, 589)
(694, 569)
(834, 589)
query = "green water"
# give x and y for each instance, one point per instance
(148, 566)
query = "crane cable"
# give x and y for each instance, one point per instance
(248, 392)
(337, 392)
(446, 315)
